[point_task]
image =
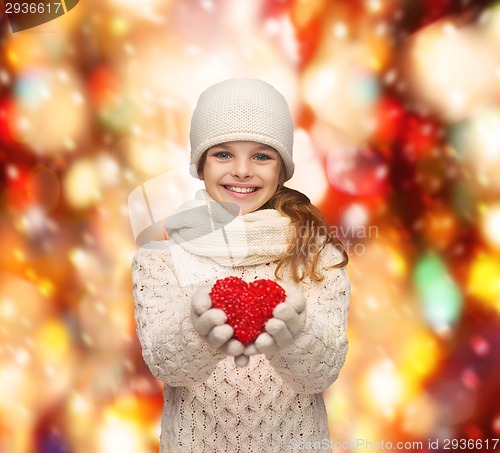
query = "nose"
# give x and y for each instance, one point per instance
(241, 168)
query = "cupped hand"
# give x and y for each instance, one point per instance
(210, 323)
(287, 323)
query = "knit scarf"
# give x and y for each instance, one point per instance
(216, 230)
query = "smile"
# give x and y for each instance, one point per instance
(241, 189)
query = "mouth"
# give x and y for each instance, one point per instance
(241, 192)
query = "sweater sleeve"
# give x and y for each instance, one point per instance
(172, 349)
(313, 361)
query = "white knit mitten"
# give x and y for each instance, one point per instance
(288, 321)
(211, 324)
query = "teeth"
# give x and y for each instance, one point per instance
(241, 189)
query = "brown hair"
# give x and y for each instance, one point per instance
(312, 233)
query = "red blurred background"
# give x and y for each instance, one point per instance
(396, 105)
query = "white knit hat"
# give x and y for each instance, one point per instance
(242, 110)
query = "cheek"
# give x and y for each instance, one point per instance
(209, 173)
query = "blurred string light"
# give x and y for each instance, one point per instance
(32, 86)
(86, 179)
(452, 89)
(53, 342)
(151, 157)
(115, 109)
(341, 88)
(374, 6)
(440, 227)
(490, 224)
(81, 184)
(484, 280)
(148, 9)
(419, 355)
(25, 50)
(59, 108)
(356, 170)
(22, 124)
(34, 222)
(126, 426)
(383, 388)
(439, 293)
(477, 142)
(355, 219)
(307, 161)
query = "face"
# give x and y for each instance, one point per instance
(245, 173)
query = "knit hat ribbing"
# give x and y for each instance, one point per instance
(242, 110)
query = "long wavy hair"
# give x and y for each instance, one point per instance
(312, 234)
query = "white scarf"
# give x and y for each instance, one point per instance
(216, 230)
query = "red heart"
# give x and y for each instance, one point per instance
(248, 306)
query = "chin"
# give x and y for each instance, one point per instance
(248, 209)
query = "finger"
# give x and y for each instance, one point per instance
(209, 319)
(296, 299)
(250, 350)
(241, 360)
(265, 344)
(289, 316)
(284, 311)
(297, 324)
(279, 331)
(219, 335)
(232, 347)
(201, 300)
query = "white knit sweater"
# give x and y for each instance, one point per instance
(275, 403)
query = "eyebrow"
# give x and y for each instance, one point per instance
(263, 147)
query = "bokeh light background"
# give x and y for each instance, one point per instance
(397, 109)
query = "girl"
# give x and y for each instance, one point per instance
(224, 392)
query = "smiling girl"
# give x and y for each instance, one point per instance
(221, 392)
(245, 173)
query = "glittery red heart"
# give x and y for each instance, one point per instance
(248, 306)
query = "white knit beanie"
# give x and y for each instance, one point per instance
(242, 110)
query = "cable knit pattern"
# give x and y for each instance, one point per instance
(210, 405)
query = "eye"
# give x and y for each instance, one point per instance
(262, 157)
(222, 155)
